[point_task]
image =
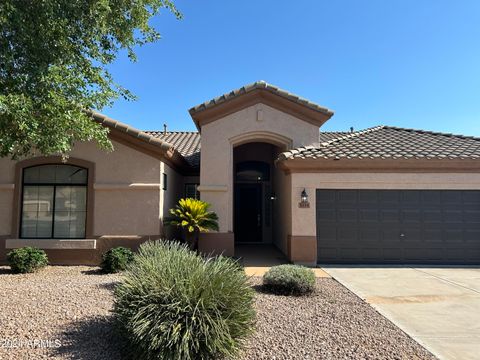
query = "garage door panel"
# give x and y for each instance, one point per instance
(431, 197)
(346, 234)
(347, 197)
(440, 226)
(472, 236)
(452, 197)
(432, 236)
(410, 234)
(367, 197)
(411, 197)
(347, 215)
(328, 233)
(326, 215)
(389, 196)
(471, 197)
(368, 215)
(392, 254)
(326, 197)
(369, 236)
(411, 216)
(390, 215)
(432, 216)
(371, 253)
(472, 216)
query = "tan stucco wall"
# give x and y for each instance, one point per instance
(127, 185)
(255, 123)
(304, 220)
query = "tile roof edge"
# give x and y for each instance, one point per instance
(172, 131)
(261, 85)
(165, 147)
(433, 132)
(286, 155)
(353, 134)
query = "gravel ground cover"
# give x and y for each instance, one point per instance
(68, 308)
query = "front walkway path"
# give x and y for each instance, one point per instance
(257, 259)
(437, 306)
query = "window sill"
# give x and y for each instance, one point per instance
(48, 244)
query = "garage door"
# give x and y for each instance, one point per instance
(398, 226)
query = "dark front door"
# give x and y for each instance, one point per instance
(248, 213)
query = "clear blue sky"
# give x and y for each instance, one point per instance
(406, 63)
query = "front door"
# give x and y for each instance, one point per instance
(248, 213)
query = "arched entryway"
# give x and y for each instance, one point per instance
(254, 193)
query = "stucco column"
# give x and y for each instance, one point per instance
(302, 242)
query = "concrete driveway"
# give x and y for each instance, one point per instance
(438, 306)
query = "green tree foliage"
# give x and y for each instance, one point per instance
(53, 66)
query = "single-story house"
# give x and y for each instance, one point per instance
(381, 195)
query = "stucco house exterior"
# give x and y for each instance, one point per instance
(260, 157)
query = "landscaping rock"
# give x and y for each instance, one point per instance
(70, 306)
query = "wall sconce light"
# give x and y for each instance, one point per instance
(273, 196)
(304, 200)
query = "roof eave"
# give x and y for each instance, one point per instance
(298, 165)
(254, 94)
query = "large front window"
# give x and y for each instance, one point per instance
(54, 202)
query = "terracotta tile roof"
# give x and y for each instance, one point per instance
(187, 143)
(164, 146)
(388, 142)
(330, 135)
(255, 86)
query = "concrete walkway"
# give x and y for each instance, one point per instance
(261, 270)
(438, 307)
(257, 259)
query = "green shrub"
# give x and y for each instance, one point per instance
(116, 259)
(174, 304)
(27, 259)
(289, 280)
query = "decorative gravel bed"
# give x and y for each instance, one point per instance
(68, 308)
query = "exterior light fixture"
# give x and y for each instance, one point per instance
(304, 200)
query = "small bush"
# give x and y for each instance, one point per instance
(174, 304)
(289, 280)
(116, 259)
(27, 260)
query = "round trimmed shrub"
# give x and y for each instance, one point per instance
(27, 260)
(116, 259)
(174, 304)
(289, 280)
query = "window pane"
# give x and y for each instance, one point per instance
(70, 224)
(191, 191)
(59, 174)
(67, 174)
(70, 211)
(71, 198)
(37, 209)
(252, 171)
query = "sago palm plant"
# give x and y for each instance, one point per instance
(193, 217)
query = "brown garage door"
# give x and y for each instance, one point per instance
(398, 226)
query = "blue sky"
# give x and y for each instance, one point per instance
(406, 63)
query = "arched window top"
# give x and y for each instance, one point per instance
(55, 174)
(252, 171)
